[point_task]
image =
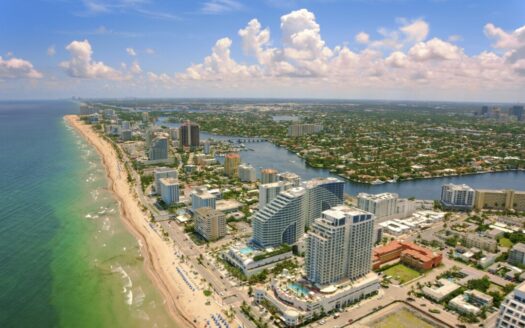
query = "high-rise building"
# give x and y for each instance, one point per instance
(174, 133)
(247, 173)
(500, 199)
(87, 110)
(322, 194)
(282, 220)
(519, 112)
(268, 191)
(207, 147)
(299, 130)
(457, 196)
(290, 177)
(158, 149)
(382, 205)
(169, 190)
(339, 245)
(201, 197)
(210, 223)
(189, 135)
(231, 164)
(512, 309)
(268, 175)
(163, 172)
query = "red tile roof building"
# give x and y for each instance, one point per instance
(409, 253)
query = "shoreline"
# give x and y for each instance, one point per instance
(159, 258)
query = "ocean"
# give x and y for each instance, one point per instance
(66, 259)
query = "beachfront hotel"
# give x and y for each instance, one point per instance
(169, 190)
(339, 245)
(337, 267)
(268, 191)
(283, 219)
(210, 223)
(163, 172)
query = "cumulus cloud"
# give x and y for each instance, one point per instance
(81, 64)
(131, 52)
(405, 58)
(219, 65)
(435, 49)
(415, 31)
(362, 37)
(16, 68)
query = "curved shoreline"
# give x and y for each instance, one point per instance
(158, 257)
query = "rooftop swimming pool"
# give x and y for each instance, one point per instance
(246, 250)
(299, 289)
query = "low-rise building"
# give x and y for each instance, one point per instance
(439, 292)
(252, 260)
(480, 241)
(418, 257)
(471, 302)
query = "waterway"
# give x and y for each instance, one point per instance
(267, 155)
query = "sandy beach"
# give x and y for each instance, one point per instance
(187, 307)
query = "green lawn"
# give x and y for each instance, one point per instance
(402, 319)
(505, 242)
(401, 273)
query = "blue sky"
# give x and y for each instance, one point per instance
(167, 37)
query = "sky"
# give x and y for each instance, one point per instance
(439, 50)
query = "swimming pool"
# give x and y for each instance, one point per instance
(246, 250)
(299, 289)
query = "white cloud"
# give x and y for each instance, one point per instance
(150, 51)
(135, 68)
(505, 40)
(81, 64)
(362, 37)
(435, 49)
(415, 31)
(131, 52)
(397, 59)
(51, 51)
(16, 68)
(219, 66)
(221, 6)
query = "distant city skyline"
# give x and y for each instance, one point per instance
(376, 49)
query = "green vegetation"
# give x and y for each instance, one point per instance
(207, 292)
(401, 273)
(481, 285)
(281, 250)
(145, 181)
(505, 242)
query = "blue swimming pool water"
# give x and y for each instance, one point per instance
(299, 289)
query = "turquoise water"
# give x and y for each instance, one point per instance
(246, 250)
(299, 289)
(65, 258)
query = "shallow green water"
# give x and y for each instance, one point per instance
(66, 260)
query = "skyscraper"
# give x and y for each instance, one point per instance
(339, 245)
(322, 194)
(282, 220)
(189, 135)
(231, 164)
(158, 149)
